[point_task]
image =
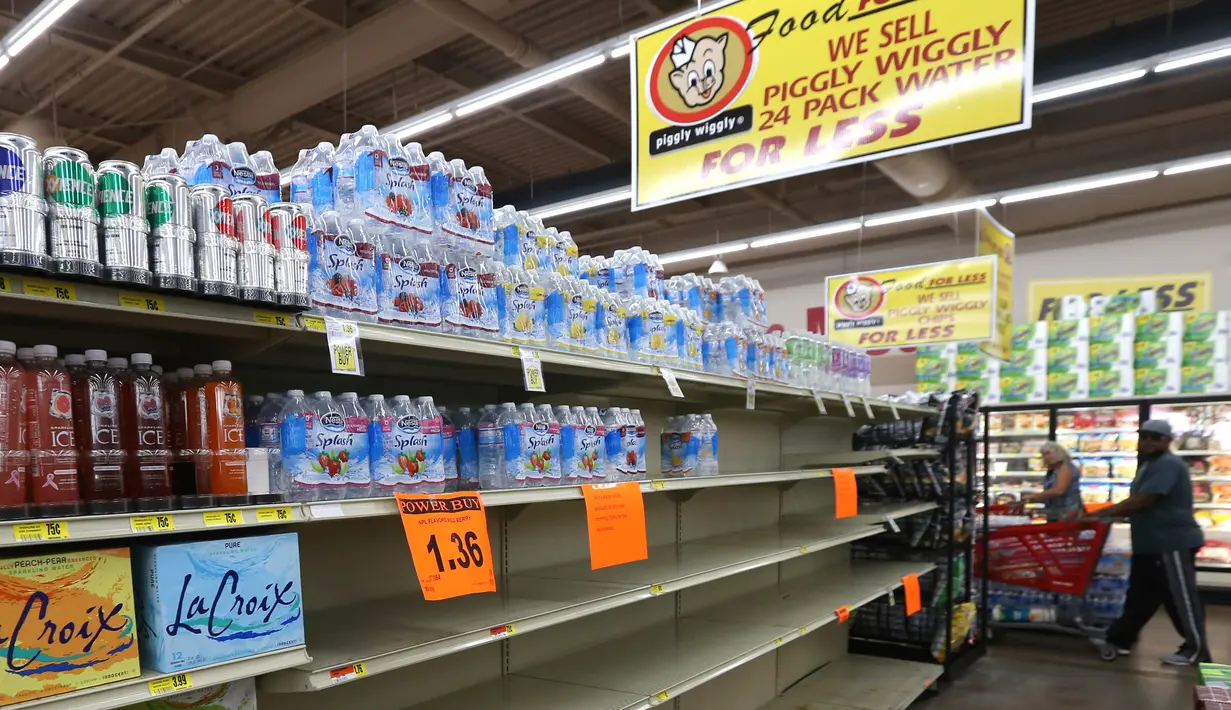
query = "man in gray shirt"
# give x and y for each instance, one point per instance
(1166, 539)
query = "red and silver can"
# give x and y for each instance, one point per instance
(213, 216)
(256, 249)
(289, 223)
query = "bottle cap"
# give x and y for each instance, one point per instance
(348, 395)
(202, 370)
(8, 347)
(401, 398)
(95, 355)
(43, 351)
(117, 363)
(142, 359)
(25, 353)
(183, 373)
(294, 393)
(224, 365)
(376, 398)
(273, 395)
(427, 400)
(321, 394)
(75, 359)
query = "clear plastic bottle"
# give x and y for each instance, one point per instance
(519, 472)
(466, 423)
(621, 432)
(294, 478)
(504, 232)
(637, 424)
(165, 162)
(472, 308)
(358, 456)
(411, 447)
(525, 308)
(243, 176)
(367, 157)
(570, 460)
(636, 312)
(344, 199)
(385, 458)
(319, 169)
(448, 450)
(327, 440)
(420, 219)
(558, 295)
(206, 162)
(477, 211)
(301, 180)
(252, 406)
(546, 444)
(431, 455)
(569, 265)
(491, 440)
(707, 451)
(591, 448)
(668, 441)
(268, 179)
(439, 172)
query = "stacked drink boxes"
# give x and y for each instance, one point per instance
(68, 622)
(206, 602)
(1068, 359)
(1111, 355)
(1158, 350)
(1204, 367)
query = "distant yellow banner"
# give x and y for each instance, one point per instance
(943, 302)
(1172, 292)
(997, 241)
(758, 90)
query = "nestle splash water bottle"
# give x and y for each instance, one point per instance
(344, 177)
(370, 155)
(411, 447)
(448, 449)
(385, 458)
(504, 232)
(166, 162)
(613, 443)
(439, 178)
(472, 309)
(569, 470)
(491, 441)
(591, 449)
(268, 179)
(358, 458)
(465, 425)
(242, 180)
(410, 282)
(431, 453)
(420, 218)
(638, 425)
(205, 162)
(318, 169)
(480, 205)
(548, 444)
(296, 478)
(613, 336)
(328, 440)
(520, 471)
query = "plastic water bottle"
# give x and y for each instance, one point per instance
(206, 162)
(384, 453)
(431, 426)
(465, 424)
(268, 179)
(448, 449)
(613, 443)
(670, 462)
(327, 437)
(547, 445)
(491, 436)
(358, 457)
(504, 231)
(421, 219)
(294, 478)
(269, 437)
(411, 445)
(242, 180)
(570, 462)
(319, 171)
(637, 424)
(344, 177)
(517, 425)
(707, 453)
(166, 162)
(591, 448)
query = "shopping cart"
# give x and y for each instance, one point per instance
(1057, 558)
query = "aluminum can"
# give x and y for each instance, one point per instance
(213, 217)
(23, 211)
(172, 238)
(72, 217)
(256, 249)
(288, 222)
(124, 231)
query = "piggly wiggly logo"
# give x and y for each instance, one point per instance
(701, 69)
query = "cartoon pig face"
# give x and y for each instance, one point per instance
(699, 80)
(858, 296)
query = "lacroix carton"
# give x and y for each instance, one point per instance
(67, 622)
(217, 600)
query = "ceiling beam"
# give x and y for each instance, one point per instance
(398, 34)
(331, 16)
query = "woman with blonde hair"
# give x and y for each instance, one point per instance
(1061, 495)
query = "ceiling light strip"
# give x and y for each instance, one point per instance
(1071, 186)
(34, 26)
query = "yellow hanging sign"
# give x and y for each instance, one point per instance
(995, 240)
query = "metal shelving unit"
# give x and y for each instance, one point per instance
(860, 683)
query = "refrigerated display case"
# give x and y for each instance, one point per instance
(1103, 444)
(1012, 443)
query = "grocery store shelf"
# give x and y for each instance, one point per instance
(1212, 506)
(1213, 566)
(1211, 479)
(857, 682)
(648, 668)
(1018, 434)
(1099, 430)
(1201, 452)
(137, 690)
(138, 525)
(1022, 474)
(546, 597)
(366, 507)
(1103, 454)
(1010, 457)
(909, 454)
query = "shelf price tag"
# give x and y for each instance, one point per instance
(447, 535)
(501, 631)
(843, 614)
(345, 356)
(41, 532)
(673, 385)
(531, 369)
(171, 684)
(152, 523)
(867, 408)
(6, 284)
(314, 323)
(48, 289)
(846, 401)
(910, 584)
(750, 395)
(820, 402)
(273, 515)
(222, 518)
(143, 302)
(345, 673)
(615, 516)
(846, 494)
(281, 320)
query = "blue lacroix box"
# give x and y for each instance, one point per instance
(200, 603)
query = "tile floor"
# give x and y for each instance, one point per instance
(1035, 671)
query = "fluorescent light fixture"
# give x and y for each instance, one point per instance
(702, 253)
(1078, 186)
(1201, 164)
(795, 235)
(598, 199)
(1084, 86)
(622, 51)
(530, 84)
(926, 212)
(420, 125)
(35, 24)
(1200, 58)
(718, 267)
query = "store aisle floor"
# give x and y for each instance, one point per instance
(1028, 671)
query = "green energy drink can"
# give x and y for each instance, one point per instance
(72, 218)
(172, 238)
(125, 232)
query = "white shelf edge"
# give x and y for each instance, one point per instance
(119, 526)
(135, 690)
(313, 679)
